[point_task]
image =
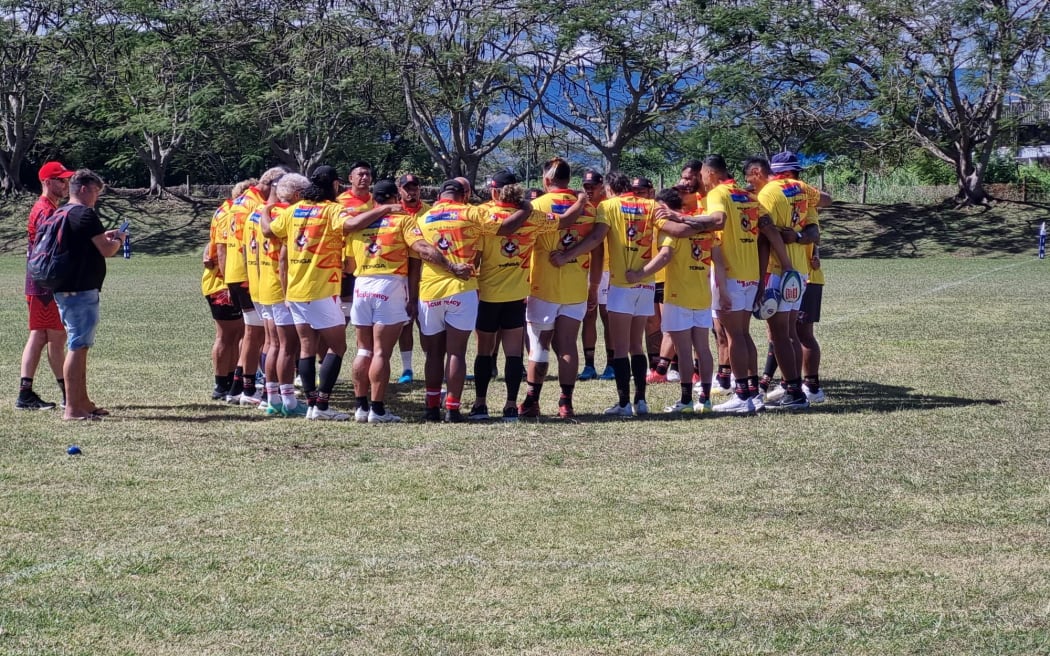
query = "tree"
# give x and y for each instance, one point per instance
(639, 64)
(471, 72)
(31, 42)
(939, 68)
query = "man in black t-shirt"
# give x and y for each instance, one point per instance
(78, 297)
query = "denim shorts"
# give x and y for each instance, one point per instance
(80, 317)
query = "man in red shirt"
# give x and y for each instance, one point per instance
(45, 324)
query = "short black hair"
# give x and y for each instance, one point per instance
(670, 198)
(693, 164)
(618, 182)
(360, 164)
(716, 163)
(761, 162)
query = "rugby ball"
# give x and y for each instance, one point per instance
(766, 306)
(791, 287)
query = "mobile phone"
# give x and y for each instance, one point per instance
(124, 226)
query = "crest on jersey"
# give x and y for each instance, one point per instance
(510, 247)
(253, 245)
(632, 232)
(373, 247)
(569, 239)
(443, 243)
(697, 251)
(301, 240)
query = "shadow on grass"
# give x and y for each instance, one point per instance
(906, 230)
(199, 412)
(847, 396)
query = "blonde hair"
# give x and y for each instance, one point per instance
(291, 185)
(511, 193)
(242, 186)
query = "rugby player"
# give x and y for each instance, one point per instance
(411, 202)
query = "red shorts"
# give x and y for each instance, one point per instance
(43, 313)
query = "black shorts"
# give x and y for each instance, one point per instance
(346, 289)
(222, 307)
(240, 297)
(500, 316)
(809, 312)
(658, 296)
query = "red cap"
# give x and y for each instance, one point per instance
(52, 170)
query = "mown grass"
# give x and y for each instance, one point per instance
(908, 514)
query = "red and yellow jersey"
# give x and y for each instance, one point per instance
(354, 205)
(565, 285)
(454, 229)
(688, 273)
(237, 215)
(792, 204)
(266, 288)
(212, 281)
(740, 234)
(313, 235)
(506, 260)
(629, 244)
(381, 249)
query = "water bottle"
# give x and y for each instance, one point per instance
(127, 240)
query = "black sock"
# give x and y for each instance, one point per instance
(483, 374)
(639, 367)
(742, 392)
(238, 381)
(609, 357)
(813, 383)
(330, 372)
(674, 363)
(725, 373)
(229, 380)
(378, 408)
(705, 392)
(362, 402)
(622, 368)
(322, 400)
(752, 384)
(221, 382)
(662, 365)
(25, 386)
(653, 359)
(249, 385)
(308, 372)
(588, 358)
(687, 393)
(771, 363)
(566, 394)
(512, 373)
(532, 392)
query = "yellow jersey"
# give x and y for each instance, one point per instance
(629, 243)
(213, 281)
(739, 236)
(790, 203)
(454, 229)
(381, 249)
(269, 290)
(506, 260)
(354, 205)
(688, 282)
(313, 234)
(233, 236)
(568, 284)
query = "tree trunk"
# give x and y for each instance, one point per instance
(970, 178)
(612, 159)
(11, 168)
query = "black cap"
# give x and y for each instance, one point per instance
(592, 177)
(324, 176)
(452, 186)
(502, 179)
(641, 183)
(407, 179)
(384, 189)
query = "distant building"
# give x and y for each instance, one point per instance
(1031, 142)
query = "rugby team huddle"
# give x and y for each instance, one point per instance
(292, 260)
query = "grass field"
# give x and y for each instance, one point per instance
(908, 514)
